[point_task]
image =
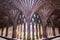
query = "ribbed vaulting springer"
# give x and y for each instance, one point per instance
(28, 7)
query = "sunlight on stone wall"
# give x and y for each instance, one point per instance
(56, 32)
(49, 32)
(38, 30)
(26, 31)
(34, 30)
(31, 31)
(10, 32)
(18, 31)
(41, 31)
(22, 37)
(4, 32)
(0, 31)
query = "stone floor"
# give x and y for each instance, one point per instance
(2, 39)
(56, 38)
(38, 39)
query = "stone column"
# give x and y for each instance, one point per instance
(28, 36)
(40, 31)
(14, 30)
(28, 18)
(6, 31)
(32, 31)
(2, 30)
(59, 30)
(44, 27)
(24, 31)
(36, 31)
(44, 32)
(14, 14)
(53, 31)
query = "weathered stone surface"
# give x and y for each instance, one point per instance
(55, 3)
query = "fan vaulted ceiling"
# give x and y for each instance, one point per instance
(28, 7)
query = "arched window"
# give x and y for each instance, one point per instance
(21, 27)
(35, 27)
(49, 28)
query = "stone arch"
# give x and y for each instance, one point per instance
(37, 25)
(52, 22)
(36, 22)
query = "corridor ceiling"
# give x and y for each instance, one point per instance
(8, 9)
(55, 3)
